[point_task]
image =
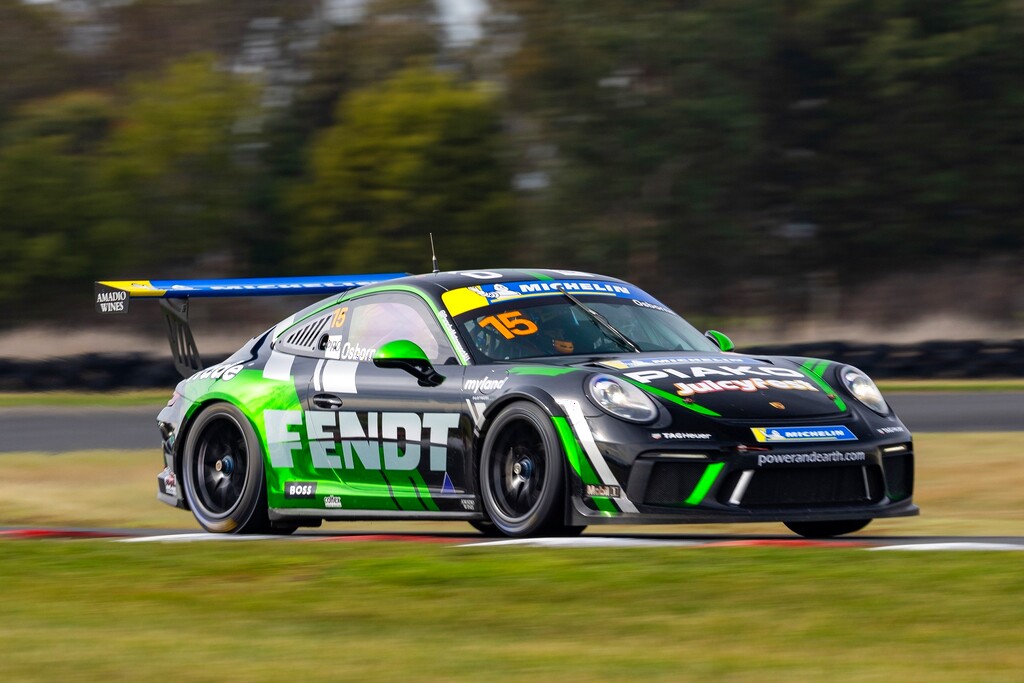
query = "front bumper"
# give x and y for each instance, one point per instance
(817, 482)
(168, 483)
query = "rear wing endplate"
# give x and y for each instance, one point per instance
(114, 296)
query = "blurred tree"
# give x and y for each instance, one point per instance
(152, 33)
(916, 135)
(55, 231)
(655, 117)
(392, 35)
(31, 60)
(416, 154)
(175, 166)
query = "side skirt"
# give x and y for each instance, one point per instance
(280, 514)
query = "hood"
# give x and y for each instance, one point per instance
(733, 386)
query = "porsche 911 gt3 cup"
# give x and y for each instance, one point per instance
(524, 402)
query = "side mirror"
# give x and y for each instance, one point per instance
(720, 340)
(408, 356)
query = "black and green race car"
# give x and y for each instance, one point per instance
(525, 402)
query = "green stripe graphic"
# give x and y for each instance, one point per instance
(580, 465)
(705, 483)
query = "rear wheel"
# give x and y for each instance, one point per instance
(223, 474)
(827, 529)
(522, 477)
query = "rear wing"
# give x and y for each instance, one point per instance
(114, 297)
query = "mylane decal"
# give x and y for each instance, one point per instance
(339, 440)
(812, 458)
(483, 385)
(746, 385)
(791, 434)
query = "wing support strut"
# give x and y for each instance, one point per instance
(183, 345)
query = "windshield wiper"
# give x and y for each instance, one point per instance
(600, 320)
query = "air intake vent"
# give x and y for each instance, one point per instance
(307, 336)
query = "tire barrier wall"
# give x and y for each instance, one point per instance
(928, 360)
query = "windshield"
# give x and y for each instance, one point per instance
(553, 325)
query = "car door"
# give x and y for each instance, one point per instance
(384, 441)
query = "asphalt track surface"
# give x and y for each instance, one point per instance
(57, 430)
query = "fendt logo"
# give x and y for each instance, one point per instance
(339, 441)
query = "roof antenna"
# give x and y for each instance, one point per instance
(433, 255)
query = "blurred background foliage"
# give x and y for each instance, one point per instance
(743, 159)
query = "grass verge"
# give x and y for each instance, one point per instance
(896, 386)
(266, 610)
(97, 610)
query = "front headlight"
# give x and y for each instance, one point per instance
(621, 399)
(863, 389)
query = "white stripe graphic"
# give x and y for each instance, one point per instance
(584, 542)
(340, 376)
(317, 382)
(579, 424)
(952, 546)
(279, 366)
(476, 411)
(188, 538)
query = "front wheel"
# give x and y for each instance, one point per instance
(522, 477)
(827, 529)
(223, 473)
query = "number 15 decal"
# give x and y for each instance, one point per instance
(509, 324)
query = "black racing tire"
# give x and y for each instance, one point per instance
(486, 528)
(828, 529)
(224, 482)
(522, 473)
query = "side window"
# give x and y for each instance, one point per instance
(357, 328)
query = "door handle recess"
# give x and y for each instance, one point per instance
(327, 401)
